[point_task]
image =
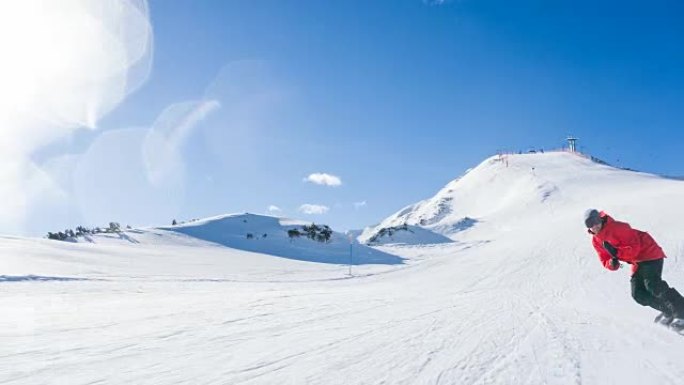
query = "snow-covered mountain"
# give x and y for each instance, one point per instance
(505, 191)
(515, 296)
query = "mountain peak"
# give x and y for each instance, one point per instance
(506, 187)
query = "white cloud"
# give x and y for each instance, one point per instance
(313, 209)
(274, 209)
(358, 205)
(324, 179)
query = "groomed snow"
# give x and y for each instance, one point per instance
(517, 297)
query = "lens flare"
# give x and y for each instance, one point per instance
(65, 64)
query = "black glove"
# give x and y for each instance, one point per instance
(614, 263)
(610, 249)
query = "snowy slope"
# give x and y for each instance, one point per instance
(506, 191)
(250, 232)
(269, 235)
(517, 297)
(405, 235)
(214, 249)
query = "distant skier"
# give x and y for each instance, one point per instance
(616, 241)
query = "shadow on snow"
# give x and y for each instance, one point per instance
(302, 249)
(33, 278)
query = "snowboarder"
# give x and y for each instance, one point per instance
(617, 242)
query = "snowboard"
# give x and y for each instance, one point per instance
(676, 325)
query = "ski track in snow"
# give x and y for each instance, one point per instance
(475, 330)
(518, 298)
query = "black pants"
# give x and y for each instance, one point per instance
(649, 289)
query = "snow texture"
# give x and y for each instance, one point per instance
(516, 297)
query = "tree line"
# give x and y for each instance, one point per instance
(80, 231)
(317, 233)
(388, 231)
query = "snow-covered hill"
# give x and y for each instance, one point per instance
(256, 233)
(517, 296)
(506, 192)
(271, 235)
(405, 235)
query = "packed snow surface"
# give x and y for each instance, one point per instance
(510, 293)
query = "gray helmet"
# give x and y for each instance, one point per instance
(591, 218)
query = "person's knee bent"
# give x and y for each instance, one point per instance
(657, 287)
(641, 298)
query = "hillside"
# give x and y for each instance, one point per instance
(512, 191)
(516, 296)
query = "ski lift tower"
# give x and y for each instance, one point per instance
(572, 142)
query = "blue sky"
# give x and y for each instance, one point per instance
(396, 98)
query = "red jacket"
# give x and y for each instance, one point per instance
(632, 245)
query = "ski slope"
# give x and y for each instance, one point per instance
(517, 297)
